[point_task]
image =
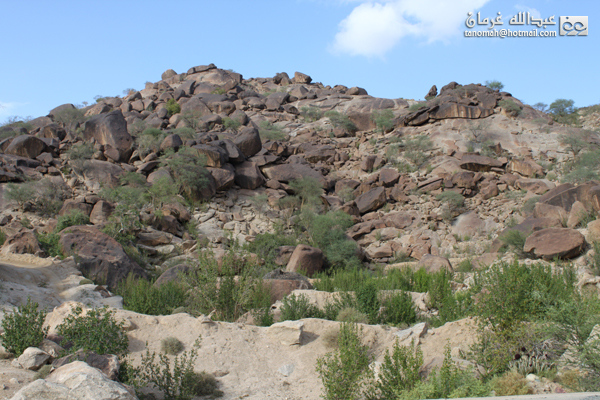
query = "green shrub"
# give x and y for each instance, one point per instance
(184, 133)
(176, 380)
(74, 217)
(143, 297)
(353, 278)
(78, 154)
(95, 330)
(510, 383)
(510, 107)
(308, 189)
(367, 300)
(454, 200)
(514, 240)
(399, 372)
(529, 204)
(202, 384)
(311, 113)
(265, 246)
(230, 289)
(417, 106)
(269, 131)
(49, 242)
(231, 124)
(172, 107)
(43, 372)
(398, 308)
(350, 314)
(23, 328)
(345, 372)
(295, 307)
(192, 119)
(341, 121)
(384, 120)
(415, 148)
(494, 84)
(171, 345)
(188, 170)
(70, 118)
(19, 193)
(564, 112)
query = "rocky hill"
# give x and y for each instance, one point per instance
(293, 179)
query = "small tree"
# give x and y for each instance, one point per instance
(172, 107)
(540, 106)
(384, 120)
(563, 111)
(494, 84)
(19, 193)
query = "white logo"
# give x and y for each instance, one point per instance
(573, 26)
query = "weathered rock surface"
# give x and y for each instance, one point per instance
(550, 243)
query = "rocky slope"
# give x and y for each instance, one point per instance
(257, 136)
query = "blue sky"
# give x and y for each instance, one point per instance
(57, 52)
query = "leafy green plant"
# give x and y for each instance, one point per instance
(514, 240)
(95, 330)
(399, 371)
(308, 189)
(311, 113)
(269, 131)
(23, 328)
(417, 106)
(494, 84)
(74, 217)
(510, 107)
(415, 149)
(510, 383)
(231, 124)
(189, 171)
(171, 345)
(295, 307)
(49, 242)
(172, 107)
(43, 372)
(367, 301)
(384, 120)
(70, 118)
(341, 121)
(564, 112)
(143, 297)
(350, 314)
(398, 308)
(19, 193)
(345, 372)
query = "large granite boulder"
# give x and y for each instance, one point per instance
(110, 130)
(551, 243)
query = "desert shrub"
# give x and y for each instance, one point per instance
(192, 119)
(540, 106)
(14, 122)
(142, 296)
(514, 240)
(78, 154)
(269, 131)
(230, 289)
(75, 217)
(231, 124)
(177, 380)
(454, 200)
(345, 372)
(20, 193)
(2, 237)
(573, 142)
(417, 106)
(564, 112)
(328, 233)
(171, 345)
(311, 113)
(398, 308)
(350, 314)
(295, 307)
(137, 127)
(341, 121)
(188, 170)
(43, 372)
(399, 371)
(351, 279)
(594, 258)
(49, 197)
(414, 149)
(265, 246)
(70, 118)
(510, 107)
(510, 383)
(49, 242)
(23, 328)
(384, 120)
(184, 133)
(529, 204)
(465, 265)
(367, 301)
(149, 141)
(95, 330)
(494, 84)
(583, 168)
(308, 189)
(172, 107)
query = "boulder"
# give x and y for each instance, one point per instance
(108, 364)
(52, 131)
(283, 283)
(23, 242)
(70, 206)
(307, 259)
(301, 78)
(234, 154)
(388, 177)
(537, 186)
(371, 200)
(215, 156)
(527, 168)
(172, 274)
(26, 146)
(33, 358)
(550, 243)
(224, 177)
(478, 163)
(100, 257)
(171, 142)
(96, 172)
(168, 74)
(248, 176)
(248, 141)
(110, 130)
(100, 213)
(288, 172)
(433, 263)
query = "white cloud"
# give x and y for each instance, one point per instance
(7, 109)
(534, 13)
(372, 29)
